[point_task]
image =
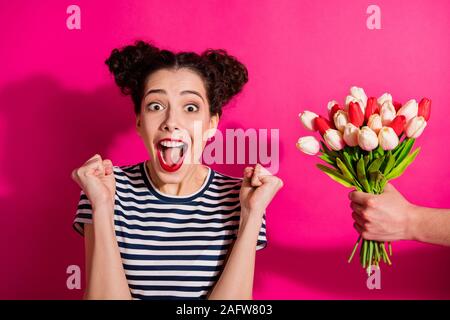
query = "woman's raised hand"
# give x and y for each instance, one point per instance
(96, 178)
(258, 189)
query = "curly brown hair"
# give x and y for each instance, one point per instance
(223, 75)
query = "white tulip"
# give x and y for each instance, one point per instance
(375, 123)
(308, 145)
(307, 119)
(387, 113)
(340, 119)
(351, 133)
(367, 139)
(415, 127)
(387, 138)
(409, 109)
(384, 97)
(334, 139)
(359, 94)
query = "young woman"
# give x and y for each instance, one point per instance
(170, 227)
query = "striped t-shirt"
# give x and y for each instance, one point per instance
(172, 247)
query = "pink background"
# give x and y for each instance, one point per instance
(59, 106)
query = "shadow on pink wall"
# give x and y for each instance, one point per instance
(50, 130)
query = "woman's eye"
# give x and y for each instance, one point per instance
(191, 108)
(155, 107)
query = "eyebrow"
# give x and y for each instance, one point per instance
(162, 91)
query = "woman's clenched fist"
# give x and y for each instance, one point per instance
(258, 188)
(96, 178)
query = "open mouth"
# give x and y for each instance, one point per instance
(171, 153)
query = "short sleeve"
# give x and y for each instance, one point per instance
(83, 214)
(262, 237)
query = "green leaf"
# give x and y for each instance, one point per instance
(375, 165)
(399, 157)
(328, 159)
(344, 170)
(346, 158)
(372, 180)
(357, 154)
(380, 182)
(378, 152)
(366, 160)
(401, 167)
(361, 173)
(336, 176)
(347, 162)
(383, 182)
(388, 164)
(328, 151)
(396, 151)
(349, 173)
(376, 182)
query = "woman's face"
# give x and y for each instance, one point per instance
(175, 122)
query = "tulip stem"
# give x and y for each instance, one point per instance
(377, 253)
(385, 253)
(354, 249)
(371, 243)
(364, 253)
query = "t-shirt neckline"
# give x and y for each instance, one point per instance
(171, 198)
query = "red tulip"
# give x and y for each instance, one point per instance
(424, 108)
(355, 114)
(330, 123)
(371, 108)
(397, 105)
(322, 124)
(334, 109)
(398, 124)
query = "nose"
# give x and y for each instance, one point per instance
(170, 122)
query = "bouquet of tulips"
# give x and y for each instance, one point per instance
(366, 142)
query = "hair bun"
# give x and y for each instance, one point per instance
(129, 64)
(228, 73)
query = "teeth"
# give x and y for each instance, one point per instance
(172, 144)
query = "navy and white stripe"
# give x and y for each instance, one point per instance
(172, 247)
